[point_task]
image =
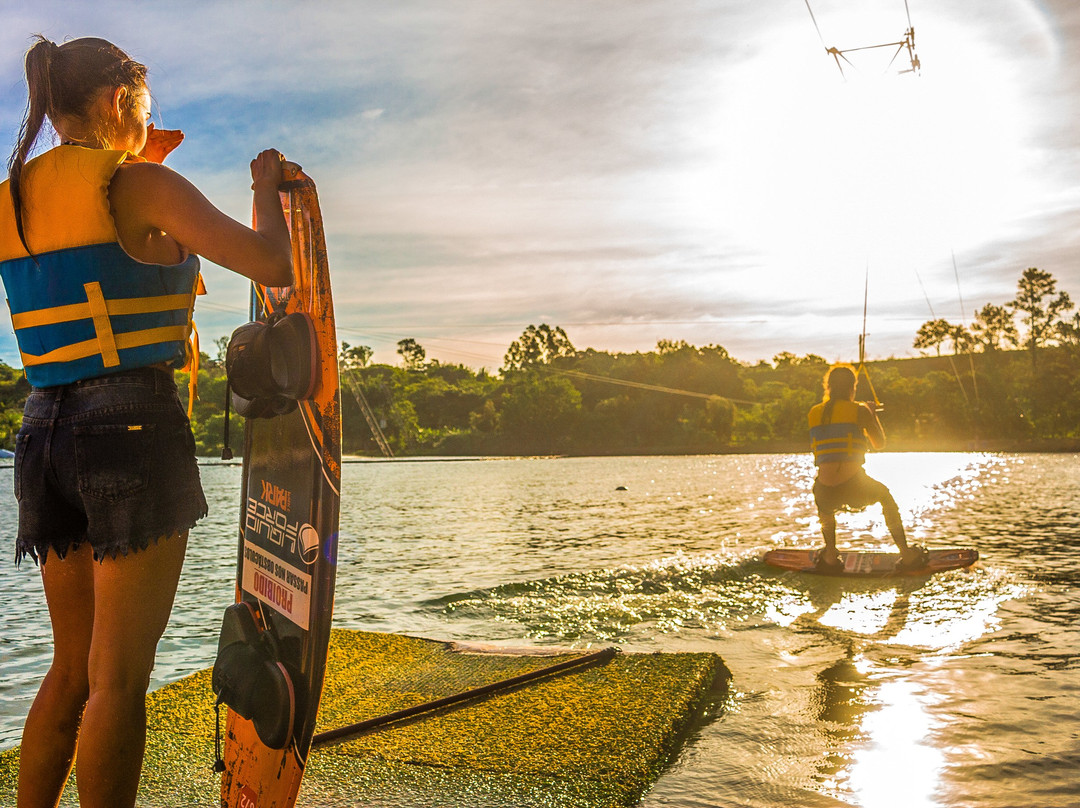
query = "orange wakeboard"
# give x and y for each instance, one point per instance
(870, 564)
(287, 555)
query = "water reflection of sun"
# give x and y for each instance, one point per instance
(899, 766)
(925, 485)
(940, 614)
(897, 760)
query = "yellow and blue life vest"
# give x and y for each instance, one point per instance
(835, 434)
(81, 306)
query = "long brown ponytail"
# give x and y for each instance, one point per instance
(64, 81)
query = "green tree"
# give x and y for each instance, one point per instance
(354, 357)
(1041, 305)
(538, 414)
(751, 425)
(221, 345)
(667, 346)
(717, 418)
(994, 328)
(933, 334)
(961, 339)
(441, 403)
(376, 385)
(402, 428)
(537, 346)
(411, 353)
(10, 423)
(1069, 331)
(14, 388)
(208, 412)
(786, 359)
(485, 419)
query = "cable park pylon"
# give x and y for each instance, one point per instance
(905, 43)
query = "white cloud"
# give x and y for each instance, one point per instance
(637, 166)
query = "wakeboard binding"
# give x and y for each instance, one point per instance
(250, 677)
(272, 365)
(914, 558)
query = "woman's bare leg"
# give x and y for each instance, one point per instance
(52, 725)
(133, 597)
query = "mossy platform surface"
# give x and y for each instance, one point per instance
(597, 736)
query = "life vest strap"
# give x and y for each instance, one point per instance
(106, 340)
(192, 363)
(82, 311)
(90, 347)
(837, 442)
(847, 444)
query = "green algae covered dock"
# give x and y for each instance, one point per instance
(595, 736)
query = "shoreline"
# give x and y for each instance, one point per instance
(1043, 446)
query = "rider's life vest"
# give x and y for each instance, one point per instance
(81, 306)
(835, 435)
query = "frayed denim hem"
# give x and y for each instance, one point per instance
(112, 550)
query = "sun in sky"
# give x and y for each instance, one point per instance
(824, 178)
(630, 172)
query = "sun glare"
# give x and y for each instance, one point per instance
(924, 484)
(861, 612)
(818, 173)
(900, 767)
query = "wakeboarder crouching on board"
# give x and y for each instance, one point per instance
(839, 430)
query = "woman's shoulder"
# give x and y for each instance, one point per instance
(143, 182)
(140, 171)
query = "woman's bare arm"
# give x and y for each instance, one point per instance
(149, 200)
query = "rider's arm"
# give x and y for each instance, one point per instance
(870, 424)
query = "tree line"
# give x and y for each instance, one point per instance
(1007, 385)
(1038, 305)
(1004, 387)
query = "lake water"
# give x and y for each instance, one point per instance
(957, 690)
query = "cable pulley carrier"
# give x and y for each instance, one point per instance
(905, 44)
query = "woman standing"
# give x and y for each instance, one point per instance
(98, 254)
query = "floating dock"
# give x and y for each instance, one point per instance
(598, 734)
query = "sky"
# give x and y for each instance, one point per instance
(629, 171)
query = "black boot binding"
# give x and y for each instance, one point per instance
(250, 678)
(272, 365)
(917, 563)
(828, 567)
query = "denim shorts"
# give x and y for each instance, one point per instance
(109, 460)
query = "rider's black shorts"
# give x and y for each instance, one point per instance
(854, 494)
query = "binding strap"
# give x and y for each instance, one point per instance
(250, 678)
